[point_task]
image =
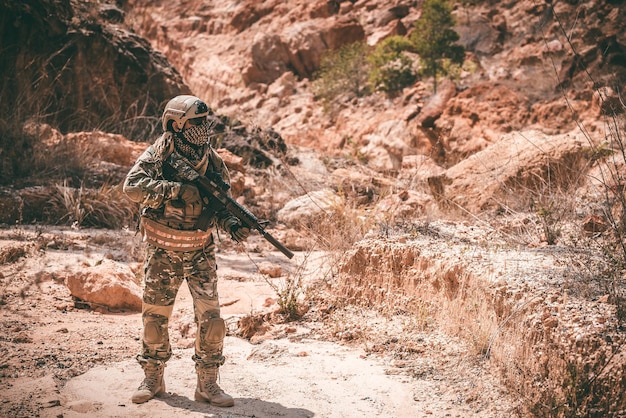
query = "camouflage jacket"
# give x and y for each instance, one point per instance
(147, 184)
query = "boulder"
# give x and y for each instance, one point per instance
(250, 13)
(481, 34)
(308, 41)
(112, 148)
(269, 59)
(393, 28)
(325, 8)
(361, 187)
(386, 146)
(406, 205)
(520, 161)
(306, 208)
(418, 168)
(108, 283)
(436, 104)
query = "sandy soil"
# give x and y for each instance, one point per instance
(60, 361)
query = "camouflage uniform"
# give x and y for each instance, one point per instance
(165, 269)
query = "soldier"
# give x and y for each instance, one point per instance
(178, 249)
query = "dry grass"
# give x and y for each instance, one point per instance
(251, 325)
(60, 204)
(14, 253)
(291, 293)
(106, 207)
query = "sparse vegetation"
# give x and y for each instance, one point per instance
(12, 254)
(391, 68)
(291, 293)
(343, 74)
(355, 70)
(435, 40)
(106, 207)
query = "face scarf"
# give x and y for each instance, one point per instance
(192, 143)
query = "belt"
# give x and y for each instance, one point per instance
(172, 239)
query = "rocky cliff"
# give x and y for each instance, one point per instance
(77, 66)
(256, 59)
(547, 67)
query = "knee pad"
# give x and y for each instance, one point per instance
(155, 322)
(153, 329)
(214, 330)
(210, 341)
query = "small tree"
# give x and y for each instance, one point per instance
(434, 39)
(343, 72)
(392, 69)
(466, 5)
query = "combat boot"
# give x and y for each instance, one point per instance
(208, 389)
(152, 385)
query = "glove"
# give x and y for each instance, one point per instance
(239, 232)
(189, 194)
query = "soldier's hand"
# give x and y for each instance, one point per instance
(189, 194)
(239, 232)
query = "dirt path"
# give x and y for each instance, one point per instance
(277, 378)
(289, 377)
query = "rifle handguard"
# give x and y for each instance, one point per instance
(213, 186)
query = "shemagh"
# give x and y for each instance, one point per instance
(193, 143)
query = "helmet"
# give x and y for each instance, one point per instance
(182, 108)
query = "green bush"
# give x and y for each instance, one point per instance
(391, 68)
(343, 73)
(355, 71)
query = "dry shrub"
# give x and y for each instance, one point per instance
(14, 253)
(106, 207)
(255, 325)
(34, 153)
(336, 230)
(291, 294)
(250, 325)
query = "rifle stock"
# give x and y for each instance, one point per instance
(213, 185)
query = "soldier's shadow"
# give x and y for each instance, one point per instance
(245, 407)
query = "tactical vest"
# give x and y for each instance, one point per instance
(174, 228)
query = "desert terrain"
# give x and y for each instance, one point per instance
(459, 250)
(67, 358)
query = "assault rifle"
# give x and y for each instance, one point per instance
(213, 186)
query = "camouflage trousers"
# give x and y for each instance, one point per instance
(164, 273)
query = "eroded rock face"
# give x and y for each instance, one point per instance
(518, 162)
(77, 68)
(518, 53)
(477, 117)
(457, 277)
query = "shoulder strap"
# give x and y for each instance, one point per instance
(164, 146)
